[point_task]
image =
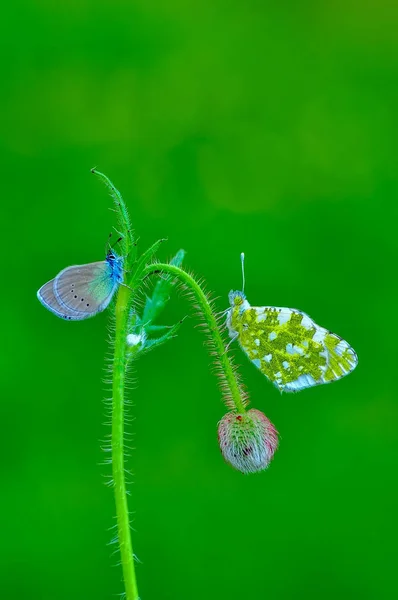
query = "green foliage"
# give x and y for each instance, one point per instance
(161, 293)
(142, 327)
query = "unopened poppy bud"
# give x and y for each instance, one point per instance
(247, 440)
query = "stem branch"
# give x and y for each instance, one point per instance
(234, 391)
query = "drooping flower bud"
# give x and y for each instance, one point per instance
(247, 440)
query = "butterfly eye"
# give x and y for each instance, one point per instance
(111, 256)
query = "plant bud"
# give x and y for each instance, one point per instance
(134, 339)
(247, 440)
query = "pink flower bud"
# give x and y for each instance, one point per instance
(247, 440)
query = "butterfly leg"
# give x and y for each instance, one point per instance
(221, 314)
(231, 340)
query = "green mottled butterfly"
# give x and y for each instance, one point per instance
(287, 345)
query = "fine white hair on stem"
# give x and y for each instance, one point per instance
(242, 260)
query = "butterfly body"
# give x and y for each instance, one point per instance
(81, 291)
(287, 346)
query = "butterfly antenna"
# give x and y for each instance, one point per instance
(107, 245)
(242, 259)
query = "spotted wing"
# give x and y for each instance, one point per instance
(291, 349)
(85, 289)
(47, 298)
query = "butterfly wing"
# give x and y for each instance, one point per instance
(85, 289)
(47, 298)
(291, 349)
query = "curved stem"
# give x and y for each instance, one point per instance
(119, 481)
(235, 393)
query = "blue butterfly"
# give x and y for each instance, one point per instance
(82, 291)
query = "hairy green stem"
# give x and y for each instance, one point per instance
(120, 359)
(234, 389)
(119, 481)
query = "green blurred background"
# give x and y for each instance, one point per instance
(228, 126)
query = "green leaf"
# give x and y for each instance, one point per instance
(151, 344)
(161, 293)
